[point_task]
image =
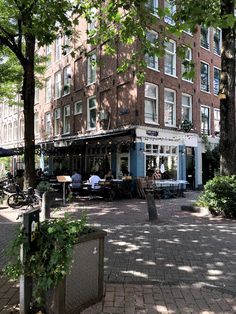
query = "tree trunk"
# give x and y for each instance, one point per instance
(227, 105)
(28, 96)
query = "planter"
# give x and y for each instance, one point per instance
(84, 285)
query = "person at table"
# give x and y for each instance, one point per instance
(93, 180)
(76, 180)
(157, 175)
(108, 176)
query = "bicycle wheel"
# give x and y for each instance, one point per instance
(15, 201)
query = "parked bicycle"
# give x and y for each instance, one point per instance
(23, 198)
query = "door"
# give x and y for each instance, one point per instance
(190, 167)
(123, 165)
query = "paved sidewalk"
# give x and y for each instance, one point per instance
(182, 263)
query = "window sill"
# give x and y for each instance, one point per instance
(174, 76)
(150, 68)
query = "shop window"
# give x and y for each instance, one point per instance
(170, 58)
(151, 59)
(148, 148)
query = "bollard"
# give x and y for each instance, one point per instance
(30, 225)
(151, 205)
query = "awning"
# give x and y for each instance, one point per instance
(6, 152)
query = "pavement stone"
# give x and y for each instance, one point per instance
(181, 263)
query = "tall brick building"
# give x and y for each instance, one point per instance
(88, 117)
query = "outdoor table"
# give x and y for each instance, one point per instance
(171, 186)
(64, 180)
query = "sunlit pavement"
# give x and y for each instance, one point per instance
(182, 263)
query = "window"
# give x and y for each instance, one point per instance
(91, 69)
(186, 107)
(205, 120)
(78, 107)
(151, 59)
(36, 95)
(47, 123)
(66, 120)
(58, 84)
(36, 123)
(217, 41)
(57, 115)
(48, 90)
(205, 40)
(58, 48)
(15, 130)
(10, 129)
(205, 77)
(216, 82)
(185, 67)
(92, 22)
(49, 55)
(170, 58)
(22, 128)
(217, 121)
(152, 5)
(170, 9)
(151, 103)
(5, 133)
(67, 45)
(66, 80)
(170, 107)
(92, 113)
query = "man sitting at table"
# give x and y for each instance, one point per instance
(93, 180)
(75, 181)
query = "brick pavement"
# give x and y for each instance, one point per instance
(182, 263)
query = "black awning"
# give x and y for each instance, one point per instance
(6, 152)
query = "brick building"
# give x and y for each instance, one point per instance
(88, 117)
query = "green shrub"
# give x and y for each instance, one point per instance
(219, 196)
(44, 186)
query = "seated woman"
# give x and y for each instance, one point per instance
(108, 176)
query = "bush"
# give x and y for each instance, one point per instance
(219, 196)
(44, 186)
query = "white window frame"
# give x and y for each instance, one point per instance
(57, 87)
(78, 104)
(15, 130)
(205, 45)
(217, 121)
(173, 104)
(209, 120)
(189, 58)
(153, 6)
(66, 119)
(22, 128)
(67, 42)
(58, 51)
(187, 106)
(91, 68)
(169, 4)
(207, 89)
(57, 118)
(36, 95)
(66, 80)
(153, 120)
(215, 89)
(48, 123)
(36, 123)
(173, 58)
(89, 127)
(48, 90)
(216, 51)
(10, 132)
(48, 55)
(93, 16)
(147, 56)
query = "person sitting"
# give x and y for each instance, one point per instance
(108, 176)
(93, 180)
(76, 180)
(19, 178)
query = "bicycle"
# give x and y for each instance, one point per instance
(21, 198)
